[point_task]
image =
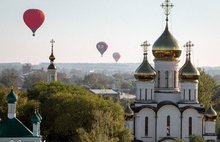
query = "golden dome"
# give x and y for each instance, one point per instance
(188, 71)
(145, 71)
(211, 113)
(166, 46)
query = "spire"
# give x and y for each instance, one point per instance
(145, 46)
(167, 5)
(51, 57)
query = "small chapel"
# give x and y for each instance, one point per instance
(13, 130)
(166, 105)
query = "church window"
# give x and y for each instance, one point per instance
(190, 97)
(146, 126)
(195, 94)
(151, 94)
(190, 126)
(140, 94)
(158, 79)
(175, 74)
(146, 94)
(167, 79)
(168, 125)
(184, 94)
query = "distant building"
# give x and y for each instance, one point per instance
(13, 130)
(166, 105)
(106, 93)
(51, 70)
(26, 68)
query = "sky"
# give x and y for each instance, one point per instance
(78, 25)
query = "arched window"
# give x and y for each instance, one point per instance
(190, 126)
(140, 94)
(168, 125)
(190, 97)
(146, 126)
(167, 79)
(175, 74)
(158, 79)
(184, 94)
(146, 94)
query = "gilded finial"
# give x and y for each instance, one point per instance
(145, 45)
(52, 58)
(188, 47)
(167, 5)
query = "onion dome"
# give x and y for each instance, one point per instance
(188, 71)
(35, 118)
(145, 72)
(210, 114)
(128, 111)
(11, 98)
(51, 57)
(166, 46)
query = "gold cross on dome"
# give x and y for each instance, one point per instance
(167, 5)
(52, 42)
(145, 45)
(188, 47)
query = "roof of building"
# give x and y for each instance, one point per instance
(51, 66)
(11, 98)
(14, 128)
(104, 91)
(166, 41)
(35, 118)
(145, 71)
(210, 112)
(128, 111)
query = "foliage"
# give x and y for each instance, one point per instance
(179, 140)
(9, 77)
(196, 138)
(71, 113)
(207, 86)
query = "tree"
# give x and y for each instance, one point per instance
(9, 77)
(207, 85)
(196, 138)
(71, 113)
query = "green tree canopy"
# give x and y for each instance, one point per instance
(71, 113)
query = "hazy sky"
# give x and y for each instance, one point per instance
(77, 25)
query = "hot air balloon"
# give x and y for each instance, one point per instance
(116, 56)
(102, 47)
(33, 18)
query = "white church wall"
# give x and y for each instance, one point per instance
(144, 90)
(150, 137)
(174, 97)
(189, 91)
(196, 123)
(174, 113)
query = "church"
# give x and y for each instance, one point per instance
(166, 105)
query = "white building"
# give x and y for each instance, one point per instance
(167, 105)
(13, 130)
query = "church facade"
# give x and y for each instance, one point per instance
(166, 105)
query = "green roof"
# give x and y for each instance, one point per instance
(14, 128)
(35, 118)
(11, 98)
